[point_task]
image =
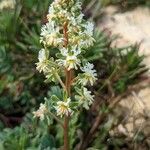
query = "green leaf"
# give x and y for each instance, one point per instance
(47, 141)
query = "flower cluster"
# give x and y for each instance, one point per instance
(63, 108)
(42, 65)
(85, 98)
(40, 112)
(68, 33)
(79, 32)
(89, 75)
(70, 58)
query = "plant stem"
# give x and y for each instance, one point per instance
(65, 30)
(66, 136)
(68, 88)
(60, 81)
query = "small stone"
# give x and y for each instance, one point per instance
(122, 130)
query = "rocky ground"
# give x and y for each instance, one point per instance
(132, 27)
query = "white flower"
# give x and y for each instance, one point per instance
(56, 11)
(87, 39)
(51, 10)
(85, 98)
(77, 6)
(40, 112)
(42, 65)
(71, 60)
(50, 35)
(4, 4)
(89, 27)
(63, 108)
(64, 14)
(42, 55)
(76, 21)
(89, 74)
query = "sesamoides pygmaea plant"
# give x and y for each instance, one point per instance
(70, 35)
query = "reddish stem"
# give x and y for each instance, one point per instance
(68, 88)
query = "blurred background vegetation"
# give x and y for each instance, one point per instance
(22, 88)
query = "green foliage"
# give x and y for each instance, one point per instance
(21, 138)
(19, 43)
